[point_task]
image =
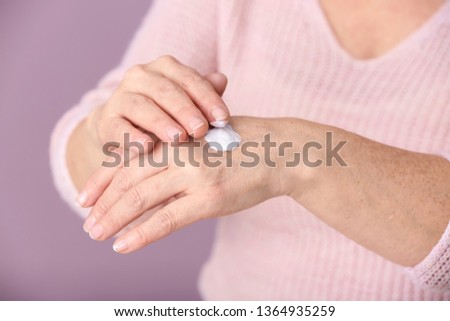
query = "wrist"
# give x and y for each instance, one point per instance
(274, 140)
(315, 153)
(301, 153)
(90, 125)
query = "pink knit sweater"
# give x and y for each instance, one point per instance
(282, 60)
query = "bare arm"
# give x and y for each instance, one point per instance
(392, 201)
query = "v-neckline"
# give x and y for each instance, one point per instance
(406, 42)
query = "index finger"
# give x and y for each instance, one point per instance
(172, 217)
(198, 88)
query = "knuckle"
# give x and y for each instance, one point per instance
(136, 101)
(191, 79)
(122, 181)
(184, 110)
(135, 199)
(94, 182)
(167, 88)
(158, 120)
(167, 59)
(101, 207)
(141, 235)
(109, 222)
(135, 71)
(136, 104)
(208, 97)
(166, 222)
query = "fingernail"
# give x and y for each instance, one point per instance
(120, 246)
(82, 198)
(96, 232)
(89, 223)
(196, 123)
(172, 133)
(219, 123)
(219, 113)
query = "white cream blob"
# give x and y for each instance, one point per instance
(223, 138)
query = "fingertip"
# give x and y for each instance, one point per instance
(89, 223)
(219, 115)
(97, 232)
(82, 199)
(219, 123)
(120, 246)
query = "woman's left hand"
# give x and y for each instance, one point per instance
(209, 184)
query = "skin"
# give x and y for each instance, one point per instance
(392, 201)
(157, 115)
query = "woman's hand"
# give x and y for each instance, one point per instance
(206, 186)
(392, 201)
(163, 98)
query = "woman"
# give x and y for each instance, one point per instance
(363, 81)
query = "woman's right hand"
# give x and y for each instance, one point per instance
(165, 98)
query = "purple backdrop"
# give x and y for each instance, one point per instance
(51, 52)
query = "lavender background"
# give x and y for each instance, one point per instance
(51, 52)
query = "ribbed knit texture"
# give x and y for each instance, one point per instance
(282, 59)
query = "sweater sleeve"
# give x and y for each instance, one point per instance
(434, 271)
(183, 29)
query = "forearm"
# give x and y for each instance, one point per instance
(392, 201)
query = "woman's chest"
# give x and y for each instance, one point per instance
(281, 64)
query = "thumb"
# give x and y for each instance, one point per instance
(218, 81)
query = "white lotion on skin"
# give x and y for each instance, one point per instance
(223, 138)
